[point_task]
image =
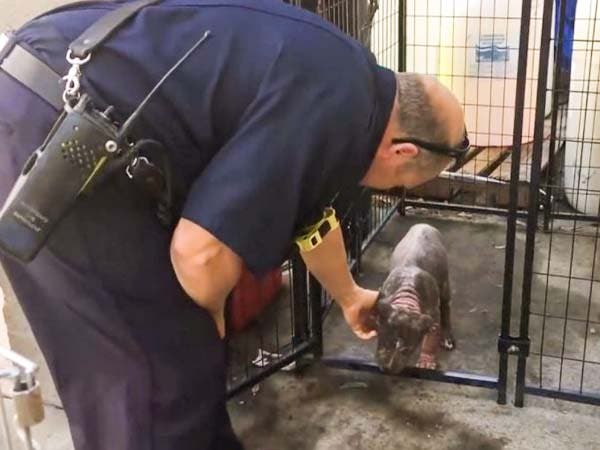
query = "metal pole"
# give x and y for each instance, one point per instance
(299, 300)
(5, 423)
(513, 198)
(28, 438)
(316, 307)
(538, 142)
(401, 36)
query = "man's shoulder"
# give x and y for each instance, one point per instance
(294, 17)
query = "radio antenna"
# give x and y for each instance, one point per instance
(135, 114)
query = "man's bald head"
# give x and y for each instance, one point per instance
(427, 110)
(424, 110)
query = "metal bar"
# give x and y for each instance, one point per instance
(300, 328)
(572, 396)
(356, 240)
(402, 36)
(538, 138)
(576, 216)
(554, 119)
(511, 228)
(402, 204)
(316, 311)
(5, 423)
(299, 351)
(494, 211)
(29, 367)
(444, 377)
(463, 208)
(28, 439)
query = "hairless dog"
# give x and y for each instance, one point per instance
(413, 309)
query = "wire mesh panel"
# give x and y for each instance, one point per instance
(565, 311)
(473, 47)
(564, 299)
(387, 34)
(352, 17)
(277, 335)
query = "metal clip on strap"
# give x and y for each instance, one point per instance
(103, 28)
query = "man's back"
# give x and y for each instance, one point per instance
(258, 52)
(265, 122)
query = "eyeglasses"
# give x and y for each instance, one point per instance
(457, 153)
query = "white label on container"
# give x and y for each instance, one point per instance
(490, 55)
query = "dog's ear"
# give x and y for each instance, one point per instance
(425, 323)
(383, 307)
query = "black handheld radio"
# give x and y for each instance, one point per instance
(82, 145)
(83, 148)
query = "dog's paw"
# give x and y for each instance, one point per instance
(427, 361)
(448, 343)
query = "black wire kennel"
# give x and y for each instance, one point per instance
(532, 117)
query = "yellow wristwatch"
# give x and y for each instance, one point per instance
(312, 236)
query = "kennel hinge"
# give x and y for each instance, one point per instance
(514, 346)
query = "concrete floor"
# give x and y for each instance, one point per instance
(333, 409)
(330, 409)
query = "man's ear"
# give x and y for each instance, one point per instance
(393, 151)
(404, 149)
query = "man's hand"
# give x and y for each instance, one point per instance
(358, 311)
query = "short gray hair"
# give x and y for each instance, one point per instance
(418, 119)
(416, 115)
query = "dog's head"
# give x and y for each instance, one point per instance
(400, 333)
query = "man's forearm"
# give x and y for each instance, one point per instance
(329, 264)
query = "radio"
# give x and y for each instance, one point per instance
(84, 148)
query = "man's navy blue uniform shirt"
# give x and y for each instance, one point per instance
(269, 118)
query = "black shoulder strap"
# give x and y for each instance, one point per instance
(104, 27)
(30, 71)
(40, 78)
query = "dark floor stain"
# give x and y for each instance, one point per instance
(472, 440)
(378, 394)
(355, 442)
(304, 428)
(267, 409)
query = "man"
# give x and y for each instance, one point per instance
(270, 117)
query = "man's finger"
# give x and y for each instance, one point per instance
(365, 334)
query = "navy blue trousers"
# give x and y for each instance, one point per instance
(132, 375)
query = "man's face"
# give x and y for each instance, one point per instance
(418, 176)
(416, 172)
